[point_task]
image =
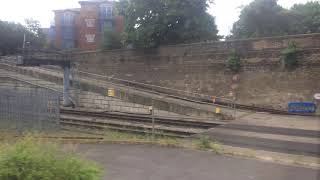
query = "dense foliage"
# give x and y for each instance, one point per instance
(234, 62)
(29, 159)
(307, 17)
(11, 36)
(150, 23)
(289, 56)
(111, 40)
(37, 37)
(263, 18)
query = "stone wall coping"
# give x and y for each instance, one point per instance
(205, 43)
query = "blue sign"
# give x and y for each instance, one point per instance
(302, 107)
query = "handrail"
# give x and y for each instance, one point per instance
(154, 86)
(189, 96)
(150, 86)
(31, 83)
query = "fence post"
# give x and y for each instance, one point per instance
(153, 122)
(235, 110)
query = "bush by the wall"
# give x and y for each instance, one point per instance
(289, 56)
(234, 62)
(29, 159)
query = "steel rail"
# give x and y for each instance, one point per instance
(123, 128)
(183, 122)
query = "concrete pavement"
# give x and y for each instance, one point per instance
(146, 162)
(298, 135)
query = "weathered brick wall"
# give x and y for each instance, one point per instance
(202, 67)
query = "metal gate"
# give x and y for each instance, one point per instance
(28, 108)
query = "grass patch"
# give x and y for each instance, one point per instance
(111, 135)
(29, 159)
(205, 143)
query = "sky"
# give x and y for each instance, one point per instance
(225, 11)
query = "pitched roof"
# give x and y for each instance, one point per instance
(96, 1)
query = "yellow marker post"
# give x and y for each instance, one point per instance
(111, 92)
(218, 110)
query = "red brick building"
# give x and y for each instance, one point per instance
(83, 27)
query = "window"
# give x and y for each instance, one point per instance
(68, 33)
(108, 11)
(90, 22)
(68, 18)
(90, 38)
(106, 25)
(68, 44)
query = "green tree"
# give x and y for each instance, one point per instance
(11, 37)
(36, 34)
(122, 6)
(262, 18)
(111, 40)
(150, 23)
(307, 17)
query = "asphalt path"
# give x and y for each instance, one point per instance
(147, 162)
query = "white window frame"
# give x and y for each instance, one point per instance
(90, 22)
(107, 8)
(68, 18)
(90, 38)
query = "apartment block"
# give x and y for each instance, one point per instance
(83, 27)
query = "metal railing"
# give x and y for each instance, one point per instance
(181, 94)
(219, 102)
(87, 100)
(101, 101)
(169, 92)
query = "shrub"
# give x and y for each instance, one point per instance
(289, 56)
(234, 62)
(205, 142)
(29, 159)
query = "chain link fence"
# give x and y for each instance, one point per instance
(27, 107)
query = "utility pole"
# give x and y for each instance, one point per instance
(24, 41)
(66, 86)
(151, 110)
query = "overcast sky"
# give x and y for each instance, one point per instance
(225, 11)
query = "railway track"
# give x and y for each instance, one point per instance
(248, 107)
(174, 127)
